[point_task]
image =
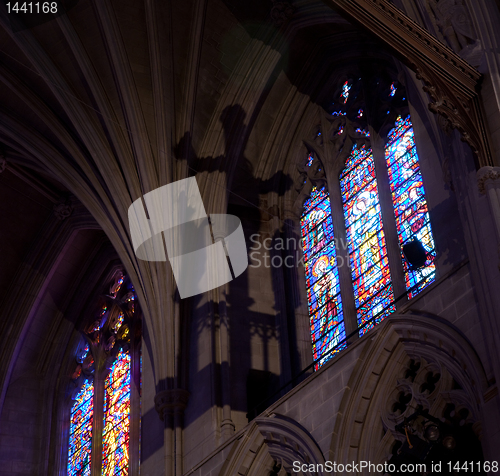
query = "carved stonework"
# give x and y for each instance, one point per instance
(451, 82)
(281, 12)
(458, 111)
(452, 23)
(62, 209)
(428, 386)
(485, 174)
(171, 401)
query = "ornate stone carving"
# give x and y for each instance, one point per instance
(487, 173)
(62, 209)
(171, 401)
(281, 12)
(458, 112)
(450, 81)
(452, 22)
(428, 387)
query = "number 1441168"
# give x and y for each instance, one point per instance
(29, 7)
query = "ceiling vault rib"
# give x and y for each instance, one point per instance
(129, 97)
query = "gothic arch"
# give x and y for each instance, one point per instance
(399, 339)
(269, 440)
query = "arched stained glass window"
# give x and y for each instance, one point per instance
(80, 435)
(381, 196)
(117, 417)
(112, 337)
(323, 289)
(410, 205)
(371, 277)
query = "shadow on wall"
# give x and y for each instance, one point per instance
(252, 324)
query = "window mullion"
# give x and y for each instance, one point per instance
(98, 419)
(135, 408)
(342, 251)
(388, 219)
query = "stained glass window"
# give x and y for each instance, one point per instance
(113, 330)
(115, 452)
(364, 220)
(323, 289)
(373, 294)
(80, 432)
(344, 95)
(410, 205)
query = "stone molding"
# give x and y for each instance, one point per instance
(170, 402)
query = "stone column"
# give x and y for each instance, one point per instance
(489, 184)
(170, 405)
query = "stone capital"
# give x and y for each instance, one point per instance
(485, 174)
(171, 401)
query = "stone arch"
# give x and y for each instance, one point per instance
(359, 434)
(269, 440)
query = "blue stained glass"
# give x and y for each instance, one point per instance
(393, 90)
(80, 432)
(373, 294)
(410, 205)
(322, 279)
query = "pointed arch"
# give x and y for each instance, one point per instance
(398, 339)
(273, 438)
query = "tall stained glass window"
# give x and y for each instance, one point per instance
(80, 433)
(410, 205)
(112, 335)
(117, 418)
(373, 294)
(323, 289)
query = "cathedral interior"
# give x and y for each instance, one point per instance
(357, 142)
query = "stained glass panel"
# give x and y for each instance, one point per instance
(115, 439)
(80, 432)
(410, 205)
(322, 280)
(373, 294)
(344, 95)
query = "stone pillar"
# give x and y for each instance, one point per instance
(170, 405)
(227, 426)
(489, 184)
